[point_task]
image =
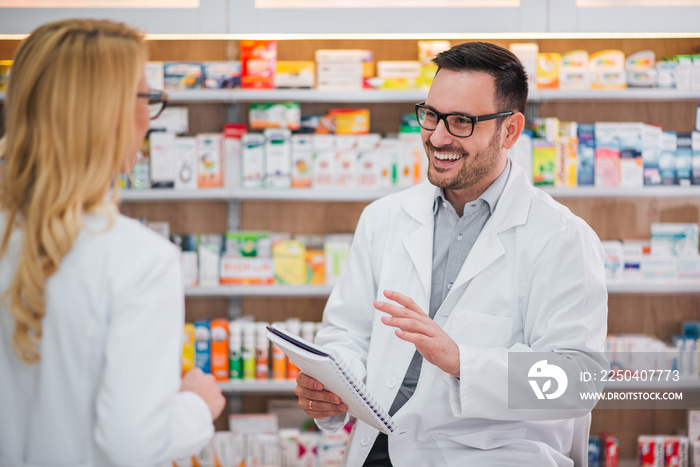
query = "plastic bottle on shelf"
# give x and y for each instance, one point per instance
(262, 352)
(235, 347)
(308, 330)
(279, 361)
(249, 351)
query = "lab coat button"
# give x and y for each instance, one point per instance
(391, 383)
(449, 286)
(365, 440)
(459, 237)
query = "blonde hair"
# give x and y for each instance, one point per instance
(69, 106)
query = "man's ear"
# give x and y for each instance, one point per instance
(513, 126)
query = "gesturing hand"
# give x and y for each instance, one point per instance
(418, 328)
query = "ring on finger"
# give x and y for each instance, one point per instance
(310, 401)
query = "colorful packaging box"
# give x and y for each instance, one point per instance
(187, 348)
(233, 132)
(427, 50)
(544, 157)
(210, 170)
(202, 345)
(302, 160)
(219, 349)
(295, 74)
(607, 69)
(323, 172)
(651, 451)
(567, 155)
(674, 239)
(641, 69)
(607, 155)
(336, 249)
(586, 154)
(548, 65)
(573, 73)
(290, 262)
(239, 270)
(350, 121)
(274, 115)
(610, 447)
(399, 74)
(182, 75)
(258, 64)
(4, 73)
(222, 75)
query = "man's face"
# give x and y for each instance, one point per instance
(458, 163)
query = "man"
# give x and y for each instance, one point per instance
(448, 277)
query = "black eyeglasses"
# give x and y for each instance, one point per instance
(458, 125)
(157, 100)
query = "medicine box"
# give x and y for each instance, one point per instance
(182, 75)
(695, 161)
(684, 157)
(631, 147)
(252, 160)
(245, 270)
(210, 167)
(674, 239)
(651, 154)
(202, 342)
(302, 160)
(586, 154)
(667, 160)
(278, 158)
(295, 74)
(222, 75)
(258, 63)
(544, 155)
(607, 155)
(186, 163)
(548, 65)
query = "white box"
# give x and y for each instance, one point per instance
(154, 75)
(336, 249)
(302, 160)
(346, 168)
(631, 148)
(694, 426)
(278, 158)
(614, 262)
(323, 172)
(633, 252)
(232, 162)
(252, 160)
(527, 54)
(190, 268)
(674, 239)
(187, 163)
(163, 159)
(208, 266)
(659, 268)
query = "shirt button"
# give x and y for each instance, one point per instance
(365, 440)
(459, 237)
(391, 383)
(449, 286)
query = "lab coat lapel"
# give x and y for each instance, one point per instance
(511, 211)
(419, 241)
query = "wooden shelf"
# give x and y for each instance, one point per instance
(258, 386)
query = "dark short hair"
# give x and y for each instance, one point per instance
(502, 64)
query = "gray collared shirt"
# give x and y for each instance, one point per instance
(453, 239)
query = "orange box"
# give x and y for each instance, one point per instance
(315, 267)
(219, 349)
(258, 64)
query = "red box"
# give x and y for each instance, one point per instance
(651, 451)
(610, 446)
(258, 64)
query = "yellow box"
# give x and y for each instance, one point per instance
(350, 121)
(290, 262)
(548, 70)
(4, 73)
(187, 347)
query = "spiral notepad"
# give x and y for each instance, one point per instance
(331, 371)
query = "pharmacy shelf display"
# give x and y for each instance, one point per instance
(683, 287)
(417, 95)
(312, 194)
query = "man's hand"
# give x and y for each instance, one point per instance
(417, 328)
(317, 402)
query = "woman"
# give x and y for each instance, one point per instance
(92, 303)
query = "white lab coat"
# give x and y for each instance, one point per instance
(534, 281)
(106, 389)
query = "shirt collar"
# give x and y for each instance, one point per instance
(490, 196)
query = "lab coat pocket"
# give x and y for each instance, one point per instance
(479, 329)
(482, 439)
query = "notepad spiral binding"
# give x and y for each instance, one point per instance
(360, 389)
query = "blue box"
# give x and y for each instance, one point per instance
(202, 345)
(586, 154)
